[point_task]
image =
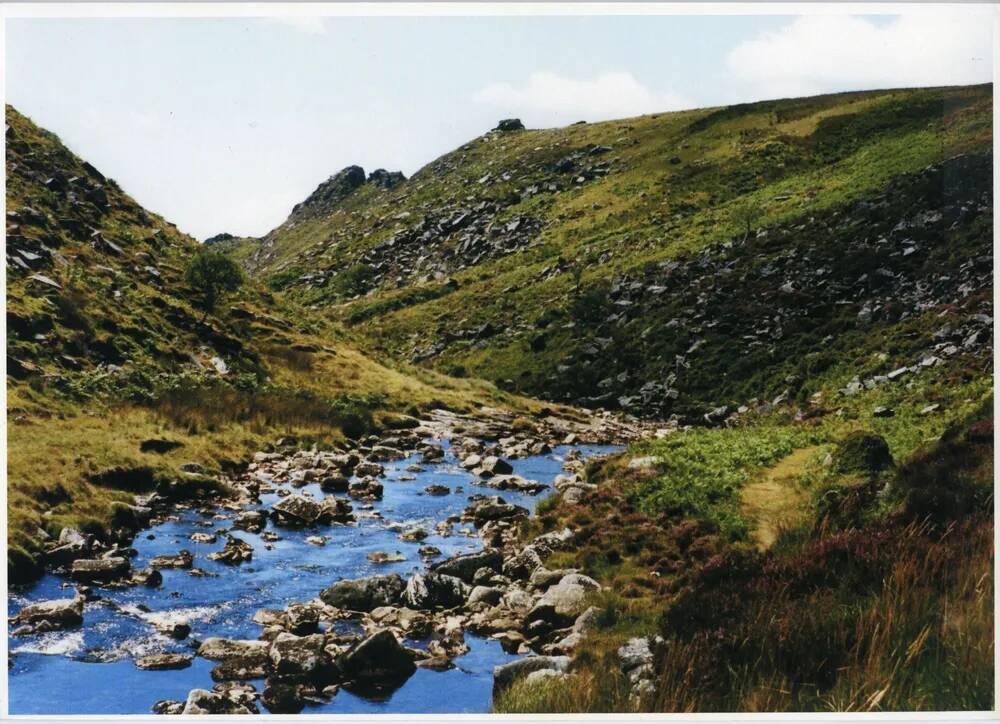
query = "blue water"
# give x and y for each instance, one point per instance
(90, 669)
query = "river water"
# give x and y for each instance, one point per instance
(90, 669)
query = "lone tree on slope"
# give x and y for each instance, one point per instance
(211, 274)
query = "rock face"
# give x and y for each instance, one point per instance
(332, 191)
(378, 663)
(364, 594)
(385, 179)
(434, 590)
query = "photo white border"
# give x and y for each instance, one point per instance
(38, 9)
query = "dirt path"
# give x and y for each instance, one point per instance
(774, 499)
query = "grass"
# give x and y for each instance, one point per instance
(794, 160)
(877, 602)
(775, 501)
(117, 355)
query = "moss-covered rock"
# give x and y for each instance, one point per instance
(862, 452)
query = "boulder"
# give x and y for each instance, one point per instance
(296, 511)
(506, 674)
(493, 508)
(465, 566)
(486, 595)
(99, 569)
(300, 657)
(203, 701)
(235, 551)
(279, 698)
(364, 594)
(493, 465)
(247, 651)
(182, 559)
(335, 483)
(369, 469)
(336, 510)
(562, 603)
(367, 488)
(252, 521)
(58, 614)
(378, 663)
(510, 124)
(162, 662)
(435, 590)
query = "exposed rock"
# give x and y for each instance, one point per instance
(563, 602)
(300, 657)
(435, 590)
(235, 551)
(252, 521)
(510, 124)
(202, 701)
(244, 650)
(465, 566)
(162, 662)
(296, 511)
(57, 614)
(378, 663)
(364, 594)
(507, 674)
(182, 559)
(99, 569)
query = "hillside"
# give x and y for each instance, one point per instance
(115, 380)
(679, 263)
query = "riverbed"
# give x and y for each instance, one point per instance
(91, 670)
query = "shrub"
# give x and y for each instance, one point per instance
(862, 452)
(211, 274)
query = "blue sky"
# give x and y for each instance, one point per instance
(224, 124)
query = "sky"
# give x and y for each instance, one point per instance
(223, 124)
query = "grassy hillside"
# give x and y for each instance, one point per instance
(875, 594)
(105, 352)
(672, 263)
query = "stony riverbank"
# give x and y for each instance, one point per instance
(366, 635)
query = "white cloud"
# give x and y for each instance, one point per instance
(308, 24)
(605, 96)
(817, 54)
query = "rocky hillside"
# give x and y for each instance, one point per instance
(116, 383)
(680, 263)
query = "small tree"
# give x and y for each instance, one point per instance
(211, 274)
(745, 214)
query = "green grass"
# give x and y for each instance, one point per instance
(792, 159)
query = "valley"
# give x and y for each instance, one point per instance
(685, 412)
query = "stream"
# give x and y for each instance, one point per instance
(91, 670)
